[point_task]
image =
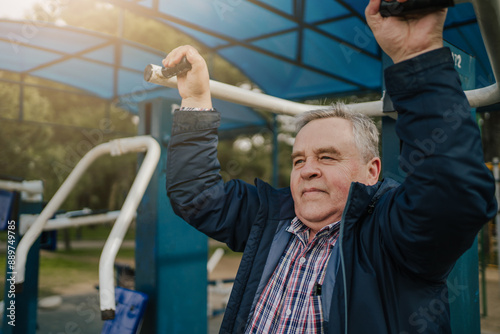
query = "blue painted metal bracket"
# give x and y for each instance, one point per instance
(130, 308)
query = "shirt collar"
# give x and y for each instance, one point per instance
(301, 230)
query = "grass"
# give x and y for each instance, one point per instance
(69, 270)
(94, 232)
(63, 270)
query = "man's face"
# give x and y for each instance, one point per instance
(325, 161)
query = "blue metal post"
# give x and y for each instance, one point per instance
(463, 281)
(171, 256)
(20, 309)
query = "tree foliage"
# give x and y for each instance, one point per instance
(55, 132)
(58, 125)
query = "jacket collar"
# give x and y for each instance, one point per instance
(282, 202)
(363, 198)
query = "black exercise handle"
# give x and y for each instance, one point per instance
(395, 8)
(180, 68)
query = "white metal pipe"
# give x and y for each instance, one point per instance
(477, 97)
(488, 19)
(114, 147)
(214, 259)
(67, 222)
(253, 99)
(114, 241)
(238, 95)
(483, 96)
(31, 191)
(62, 222)
(34, 187)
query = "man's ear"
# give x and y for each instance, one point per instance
(374, 167)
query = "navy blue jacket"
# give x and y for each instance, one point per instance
(397, 243)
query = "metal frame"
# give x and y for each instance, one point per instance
(64, 221)
(249, 44)
(115, 148)
(31, 191)
(487, 13)
(108, 40)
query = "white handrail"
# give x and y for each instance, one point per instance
(62, 221)
(33, 187)
(214, 259)
(114, 241)
(488, 20)
(487, 13)
(31, 191)
(115, 148)
(247, 97)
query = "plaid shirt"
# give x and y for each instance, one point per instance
(291, 300)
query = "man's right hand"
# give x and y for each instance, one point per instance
(194, 85)
(403, 38)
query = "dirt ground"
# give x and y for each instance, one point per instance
(490, 324)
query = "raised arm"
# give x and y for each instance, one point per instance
(448, 193)
(223, 211)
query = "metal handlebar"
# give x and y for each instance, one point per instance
(127, 212)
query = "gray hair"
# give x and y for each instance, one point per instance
(366, 135)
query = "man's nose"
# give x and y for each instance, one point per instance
(310, 169)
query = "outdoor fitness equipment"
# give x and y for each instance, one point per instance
(115, 148)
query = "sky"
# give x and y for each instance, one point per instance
(15, 9)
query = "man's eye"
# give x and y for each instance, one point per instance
(326, 158)
(298, 162)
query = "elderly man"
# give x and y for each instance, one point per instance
(338, 251)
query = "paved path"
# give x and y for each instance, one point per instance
(491, 323)
(80, 313)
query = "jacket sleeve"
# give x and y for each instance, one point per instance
(223, 211)
(448, 194)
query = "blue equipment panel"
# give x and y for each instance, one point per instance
(130, 306)
(6, 200)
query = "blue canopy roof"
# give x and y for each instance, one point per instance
(293, 49)
(298, 49)
(99, 64)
